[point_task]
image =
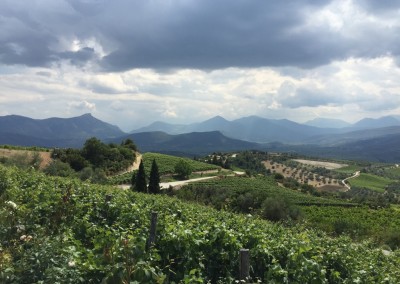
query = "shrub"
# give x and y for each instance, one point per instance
(278, 177)
(279, 209)
(391, 238)
(58, 168)
(183, 169)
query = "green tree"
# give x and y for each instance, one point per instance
(94, 151)
(128, 143)
(140, 184)
(154, 181)
(183, 169)
(133, 179)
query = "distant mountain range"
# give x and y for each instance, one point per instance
(195, 143)
(252, 128)
(263, 130)
(54, 132)
(368, 139)
(380, 149)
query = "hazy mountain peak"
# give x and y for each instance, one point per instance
(217, 118)
(377, 122)
(327, 123)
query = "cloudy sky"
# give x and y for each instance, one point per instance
(131, 62)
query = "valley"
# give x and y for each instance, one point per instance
(83, 205)
(199, 142)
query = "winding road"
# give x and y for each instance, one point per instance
(356, 174)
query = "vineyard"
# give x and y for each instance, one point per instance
(265, 186)
(56, 230)
(381, 224)
(334, 216)
(166, 163)
(166, 166)
(370, 181)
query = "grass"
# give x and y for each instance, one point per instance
(370, 181)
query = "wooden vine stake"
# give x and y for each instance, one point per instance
(153, 226)
(108, 198)
(244, 262)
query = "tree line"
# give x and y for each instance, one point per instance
(95, 161)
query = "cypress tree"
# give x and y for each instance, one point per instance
(154, 182)
(140, 184)
(133, 180)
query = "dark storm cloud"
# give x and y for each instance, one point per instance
(207, 34)
(80, 56)
(381, 6)
(219, 34)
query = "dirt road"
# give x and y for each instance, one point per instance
(134, 166)
(183, 182)
(172, 183)
(356, 174)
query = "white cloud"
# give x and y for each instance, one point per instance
(351, 89)
(82, 105)
(55, 54)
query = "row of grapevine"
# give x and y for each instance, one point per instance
(267, 186)
(166, 163)
(357, 221)
(65, 231)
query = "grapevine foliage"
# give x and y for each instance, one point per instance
(56, 230)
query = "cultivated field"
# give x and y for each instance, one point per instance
(326, 165)
(304, 175)
(370, 181)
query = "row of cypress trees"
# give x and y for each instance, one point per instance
(139, 182)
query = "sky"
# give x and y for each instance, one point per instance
(131, 62)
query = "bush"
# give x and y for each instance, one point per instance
(279, 209)
(183, 169)
(278, 177)
(58, 168)
(391, 238)
(86, 173)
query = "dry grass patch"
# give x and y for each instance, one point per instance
(326, 165)
(44, 156)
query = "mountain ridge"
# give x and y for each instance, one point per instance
(54, 131)
(193, 143)
(279, 134)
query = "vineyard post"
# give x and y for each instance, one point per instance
(244, 262)
(153, 225)
(108, 198)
